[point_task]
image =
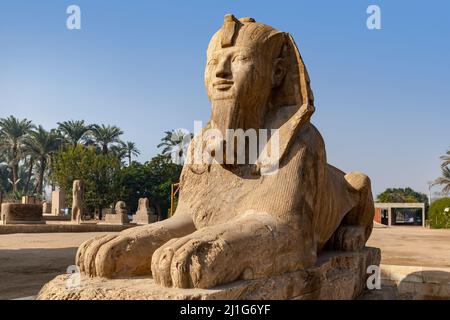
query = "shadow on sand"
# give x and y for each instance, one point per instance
(23, 272)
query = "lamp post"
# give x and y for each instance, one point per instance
(430, 185)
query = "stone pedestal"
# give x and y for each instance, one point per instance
(29, 200)
(144, 214)
(46, 207)
(144, 217)
(14, 213)
(337, 275)
(58, 202)
(116, 218)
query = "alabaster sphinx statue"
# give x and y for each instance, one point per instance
(233, 222)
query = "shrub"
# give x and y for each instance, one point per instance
(437, 216)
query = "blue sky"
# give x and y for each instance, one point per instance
(382, 96)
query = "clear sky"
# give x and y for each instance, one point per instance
(382, 96)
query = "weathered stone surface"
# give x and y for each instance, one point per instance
(15, 213)
(337, 275)
(29, 200)
(77, 201)
(58, 202)
(46, 207)
(416, 282)
(268, 215)
(120, 215)
(386, 292)
(144, 214)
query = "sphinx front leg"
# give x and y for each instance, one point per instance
(247, 248)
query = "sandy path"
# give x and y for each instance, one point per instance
(412, 246)
(27, 261)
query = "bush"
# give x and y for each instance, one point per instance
(402, 195)
(152, 180)
(437, 216)
(99, 173)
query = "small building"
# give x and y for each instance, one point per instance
(404, 214)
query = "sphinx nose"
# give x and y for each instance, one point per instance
(223, 69)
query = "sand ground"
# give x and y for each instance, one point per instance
(27, 261)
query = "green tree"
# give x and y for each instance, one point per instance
(174, 144)
(130, 150)
(152, 180)
(105, 136)
(41, 145)
(439, 213)
(73, 131)
(12, 134)
(446, 159)
(99, 172)
(29, 163)
(401, 195)
(5, 186)
(444, 180)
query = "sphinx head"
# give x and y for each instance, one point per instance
(244, 65)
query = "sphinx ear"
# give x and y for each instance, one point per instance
(279, 72)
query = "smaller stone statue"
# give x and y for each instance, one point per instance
(144, 215)
(77, 201)
(120, 215)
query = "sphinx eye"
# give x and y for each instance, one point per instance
(213, 61)
(239, 57)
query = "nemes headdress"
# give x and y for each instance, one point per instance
(295, 88)
(246, 32)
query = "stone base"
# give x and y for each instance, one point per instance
(416, 282)
(116, 218)
(51, 217)
(143, 218)
(64, 227)
(337, 275)
(14, 213)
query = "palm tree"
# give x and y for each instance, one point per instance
(130, 150)
(175, 144)
(104, 136)
(29, 163)
(13, 132)
(446, 159)
(118, 151)
(73, 131)
(444, 180)
(41, 144)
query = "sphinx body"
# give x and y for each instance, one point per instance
(233, 222)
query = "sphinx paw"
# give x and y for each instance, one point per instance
(114, 256)
(194, 261)
(87, 253)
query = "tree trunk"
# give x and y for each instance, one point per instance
(30, 173)
(15, 168)
(105, 149)
(14, 177)
(39, 184)
(41, 175)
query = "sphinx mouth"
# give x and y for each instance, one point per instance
(223, 85)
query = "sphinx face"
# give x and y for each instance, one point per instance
(238, 82)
